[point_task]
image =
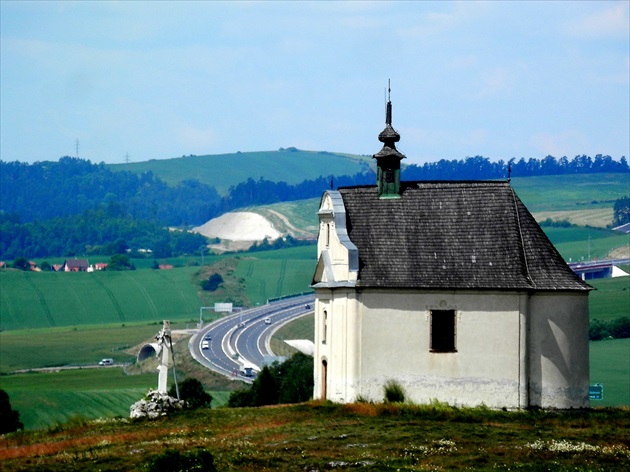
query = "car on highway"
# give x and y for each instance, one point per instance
(205, 345)
(207, 337)
(267, 320)
(106, 362)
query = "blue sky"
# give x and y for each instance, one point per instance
(161, 79)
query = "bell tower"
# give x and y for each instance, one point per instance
(388, 158)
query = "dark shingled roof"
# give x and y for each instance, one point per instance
(457, 235)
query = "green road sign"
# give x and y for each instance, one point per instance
(596, 392)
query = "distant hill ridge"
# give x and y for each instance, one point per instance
(290, 165)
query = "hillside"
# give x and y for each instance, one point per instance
(324, 436)
(584, 200)
(224, 170)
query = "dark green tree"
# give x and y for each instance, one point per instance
(296, 384)
(9, 418)
(212, 283)
(266, 388)
(120, 262)
(191, 390)
(241, 398)
(21, 263)
(621, 211)
(287, 382)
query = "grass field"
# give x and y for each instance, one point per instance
(80, 345)
(324, 436)
(55, 299)
(571, 192)
(38, 299)
(610, 366)
(225, 170)
(610, 300)
(272, 274)
(45, 399)
(583, 244)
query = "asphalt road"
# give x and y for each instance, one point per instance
(242, 339)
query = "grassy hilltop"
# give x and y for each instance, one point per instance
(224, 170)
(324, 436)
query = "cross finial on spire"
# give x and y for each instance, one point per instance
(388, 112)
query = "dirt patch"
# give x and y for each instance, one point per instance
(620, 253)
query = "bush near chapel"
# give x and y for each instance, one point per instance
(288, 382)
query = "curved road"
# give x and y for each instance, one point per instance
(242, 339)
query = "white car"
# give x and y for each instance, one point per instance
(267, 320)
(106, 362)
(205, 345)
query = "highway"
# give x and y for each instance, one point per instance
(242, 339)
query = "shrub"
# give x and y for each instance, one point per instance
(193, 393)
(212, 283)
(618, 328)
(394, 392)
(173, 460)
(241, 398)
(9, 418)
(288, 382)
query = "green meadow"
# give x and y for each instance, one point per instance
(610, 299)
(224, 170)
(585, 243)
(272, 274)
(49, 299)
(610, 367)
(571, 192)
(48, 398)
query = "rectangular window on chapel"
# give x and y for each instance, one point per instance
(443, 331)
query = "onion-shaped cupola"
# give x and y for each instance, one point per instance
(388, 159)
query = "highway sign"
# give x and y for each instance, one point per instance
(596, 392)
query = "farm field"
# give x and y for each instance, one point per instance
(38, 299)
(583, 244)
(46, 399)
(571, 192)
(77, 345)
(611, 299)
(53, 299)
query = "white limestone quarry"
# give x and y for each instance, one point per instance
(239, 226)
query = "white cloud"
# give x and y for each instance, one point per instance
(611, 22)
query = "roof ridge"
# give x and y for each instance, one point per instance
(522, 239)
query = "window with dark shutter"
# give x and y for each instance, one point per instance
(443, 331)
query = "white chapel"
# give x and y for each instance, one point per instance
(449, 288)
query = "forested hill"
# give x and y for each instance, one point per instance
(61, 208)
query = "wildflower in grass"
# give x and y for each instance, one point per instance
(577, 447)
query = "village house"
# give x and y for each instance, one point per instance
(450, 289)
(75, 265)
